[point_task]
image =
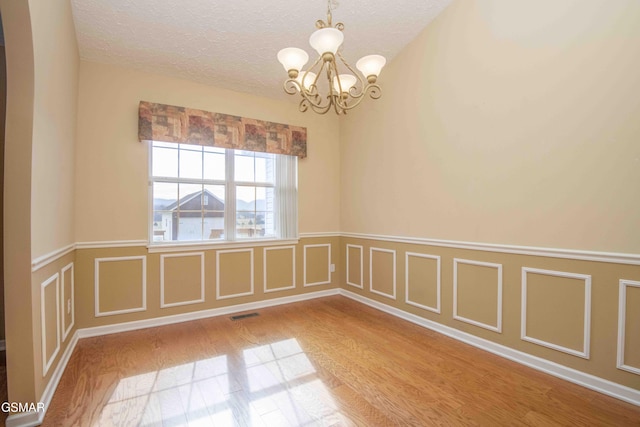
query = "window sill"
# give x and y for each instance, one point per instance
(200, 246)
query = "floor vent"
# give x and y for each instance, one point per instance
(244, 316)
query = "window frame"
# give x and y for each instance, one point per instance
(230, 211)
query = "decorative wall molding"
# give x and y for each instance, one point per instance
(73, 301)
(498, 326)
(361, 249)
(319, 234)
(622, 318)
(218, 253)
(304, 265)
(597, 256)
(612, 257)
(391, 251)
(589, 381)
(435, 309)
(143, 284)
(46, 362)
(163, 304)
(293, 269)
(587, 311)
(112, 244)
(208, 246)
(38, 263)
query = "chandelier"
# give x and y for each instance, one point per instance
(343, 91)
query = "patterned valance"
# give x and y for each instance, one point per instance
(167, 123)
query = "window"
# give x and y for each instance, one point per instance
(203, 193)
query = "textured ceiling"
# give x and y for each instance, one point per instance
(233, 44)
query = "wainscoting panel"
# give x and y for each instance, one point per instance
(317, 264)
(569, 305)
(629, 326)
(422, 281)
(556, 310)
(50, 320)
(193, 278)
(354, 266)
(181, 279)
(279, 268)
(477, 293)
(234, 273)
(120, 285)
(382, 272)
(67, 303)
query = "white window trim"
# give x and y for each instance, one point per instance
(180, 246)
(207, 244)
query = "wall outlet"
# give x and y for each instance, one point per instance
(69, 306)
(333, 268)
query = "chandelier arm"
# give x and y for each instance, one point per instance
(334, 67)
(313, 86)
(316, 62)
(313, 100)
(346, 64)
(374, 93)
(317, 108)
(337, 106)
(311, 97)
(322, 110)
(303, 106)
(291, 86)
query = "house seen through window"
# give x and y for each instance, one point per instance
(203, 193)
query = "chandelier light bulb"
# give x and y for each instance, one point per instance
(326, 40)
(293, 58)
(347, 81)
(370, 66)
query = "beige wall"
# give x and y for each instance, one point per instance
(56, 66)
(504, 122)
(56, 63)
(17, 188)
(42, 76)
(3, 112)
(111, 165)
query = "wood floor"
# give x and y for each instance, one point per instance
(323, 362)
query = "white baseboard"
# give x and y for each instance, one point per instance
(178, 318)
(589, 381)
(31, 419)
(25, 419)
